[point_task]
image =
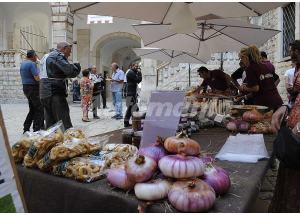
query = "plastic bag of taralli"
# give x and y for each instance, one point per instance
(70, 148)
(20, 148)
(116, 155)
(74, 133)
(44, 144)
(84, 169)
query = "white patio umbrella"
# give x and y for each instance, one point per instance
(165, 12)
(171, 56)
(212, 36)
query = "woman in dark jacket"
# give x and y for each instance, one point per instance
(260, 80)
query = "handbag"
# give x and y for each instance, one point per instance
(286, 148)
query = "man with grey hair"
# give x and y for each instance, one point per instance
(53, 89)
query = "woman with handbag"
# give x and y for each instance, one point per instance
(286, 121)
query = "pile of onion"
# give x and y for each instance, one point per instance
(253, 116)
(182, 144)
(238, 125)
(156, 152)
(192, 196)
(140, 168)
(217, 178)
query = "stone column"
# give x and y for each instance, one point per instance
(62, 23)
(83, 47)
(148, 68)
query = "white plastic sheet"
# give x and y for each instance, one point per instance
(244, 148)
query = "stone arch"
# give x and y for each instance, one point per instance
(95, 52)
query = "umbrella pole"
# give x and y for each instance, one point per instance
(189, 74)
(221, 65)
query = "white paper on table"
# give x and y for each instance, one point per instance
(248, 148)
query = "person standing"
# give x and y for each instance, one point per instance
(86, 91)
(289, 79)
(133, 78)
(270, 66)
(260, 80)
(117, 80)
(97, 91)
(53, 90)
(30, 80)
(286, 198)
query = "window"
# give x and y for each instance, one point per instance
(95, 19)
(288, 27)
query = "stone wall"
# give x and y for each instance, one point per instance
(11, 86)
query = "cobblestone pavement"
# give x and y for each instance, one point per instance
(14, 115)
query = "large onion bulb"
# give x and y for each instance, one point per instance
(150, 191)
(191, 196)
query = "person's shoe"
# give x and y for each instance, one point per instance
(113, 117)
(85, 120)
(111, 110)
(119, 117)
(105, 107)
(96, 117)
(127, 125)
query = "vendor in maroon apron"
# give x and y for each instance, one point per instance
(260, 80)
(216, 79)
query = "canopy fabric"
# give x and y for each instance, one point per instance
(218, 35)
(163, 12)
(174, 57)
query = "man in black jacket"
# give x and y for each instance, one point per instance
(133, 77)
(53, 90)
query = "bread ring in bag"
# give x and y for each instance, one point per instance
(84, 172)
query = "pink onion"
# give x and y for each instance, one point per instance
(118, 178)
(140, 168)
(231, 126)
(243, 126)
(156, 152)
(179, 166)
(191, 196)
(217, 178)
(154, 190)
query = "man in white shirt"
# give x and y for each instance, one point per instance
(289, 78)
(116, 85)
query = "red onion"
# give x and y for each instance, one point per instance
(192, 196)
(140, 168)
(150, 191)
(217, 178)
(179, 166)
(156, 152)
(118, 178)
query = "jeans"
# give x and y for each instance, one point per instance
(117, 101)
(56, 108)
(35, 114)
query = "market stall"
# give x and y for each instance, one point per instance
(48, 193)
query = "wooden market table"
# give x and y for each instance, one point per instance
(48, 193)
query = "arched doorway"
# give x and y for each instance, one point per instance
(114, 47)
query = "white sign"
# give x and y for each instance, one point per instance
(10, 199)
(219, 118)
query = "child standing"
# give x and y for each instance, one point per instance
(86, 91)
